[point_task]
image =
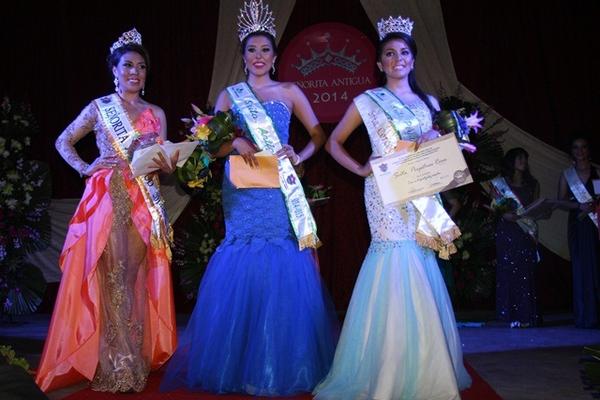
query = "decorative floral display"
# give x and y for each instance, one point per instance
(456, 122)
(474, 263)
(211, 132)
(24, 199)
(199, 233)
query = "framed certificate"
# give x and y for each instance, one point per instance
(437, 166)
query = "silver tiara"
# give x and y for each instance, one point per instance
(392, 25)
(132, 36)
(255, 17)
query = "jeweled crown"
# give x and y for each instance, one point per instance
(132, 36)
(392, 25)
(255, 17)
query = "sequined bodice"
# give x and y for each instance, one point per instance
(258, 215)
(393, 223)
(89, 120)
(421, 112)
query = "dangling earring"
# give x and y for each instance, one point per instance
(245, 69)
(273, 69)
(143, 90)
(116, 81)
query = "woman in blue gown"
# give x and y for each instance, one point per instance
(584, 245)
(399, 339)
(516, 250)
(262, 323)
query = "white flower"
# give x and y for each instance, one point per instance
(5, 154)
(11, 204)
(27, 140)
(27, 199)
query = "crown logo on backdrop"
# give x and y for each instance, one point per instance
(327, 57)
(255, 17)
(393, 25)
(132, 36)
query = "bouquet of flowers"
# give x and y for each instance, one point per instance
(456, 122)
(503, 205)
(211, 131)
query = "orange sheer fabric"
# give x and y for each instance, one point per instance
(114, 316)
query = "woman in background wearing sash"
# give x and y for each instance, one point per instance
(262, 323)
(399, 339)
(516, 249)
(114, 315)
(576, 191)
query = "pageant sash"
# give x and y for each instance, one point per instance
(388, 120)
(581, 193)
(503, 190)
(263, 132)
(122, 132)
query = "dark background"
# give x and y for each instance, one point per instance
(535, 65)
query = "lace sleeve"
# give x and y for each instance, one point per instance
(65, 144)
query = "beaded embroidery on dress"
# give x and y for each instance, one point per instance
(399, 339)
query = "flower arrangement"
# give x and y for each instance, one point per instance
(502, 206)
(24, 199)
(473, 266)
(456, 122)
(211, 132)
(197, 235)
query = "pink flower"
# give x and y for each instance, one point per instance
(474, 121)
(203, 120)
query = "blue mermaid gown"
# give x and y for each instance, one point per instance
(263, 323)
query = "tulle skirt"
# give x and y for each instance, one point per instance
(399, 339)
(262, 323)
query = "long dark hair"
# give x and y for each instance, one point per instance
(114, 57)
(412, 80)
(508, 165)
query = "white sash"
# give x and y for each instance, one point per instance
(579, 191)
(122, 132)
(503, 190)
(389, 120)
(263, 132)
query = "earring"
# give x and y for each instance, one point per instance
(245, 69)
(116, 82)
(143, 90)
(273, 69)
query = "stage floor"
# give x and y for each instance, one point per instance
(523, 364)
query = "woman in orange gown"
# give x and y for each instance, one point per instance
(114, 316)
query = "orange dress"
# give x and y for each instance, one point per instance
(114, 316)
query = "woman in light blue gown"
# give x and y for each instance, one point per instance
(399, 339)
(263, 323)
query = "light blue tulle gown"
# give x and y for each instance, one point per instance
(263, 323)
(399, 339)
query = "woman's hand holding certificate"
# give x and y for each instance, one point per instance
(438, 165)
(263, 174)
(144, 159)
